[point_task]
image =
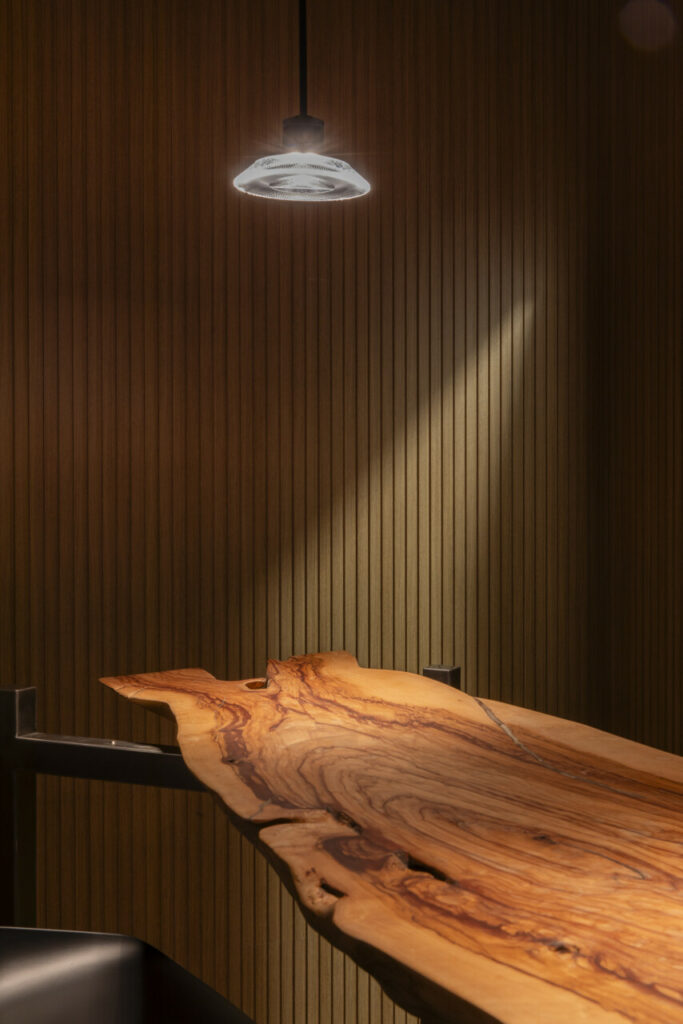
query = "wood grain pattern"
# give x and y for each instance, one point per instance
(484, 861)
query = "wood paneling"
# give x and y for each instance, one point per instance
(233, 429)
(643, 392)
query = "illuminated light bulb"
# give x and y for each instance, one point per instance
(301, 174)
(303, 177)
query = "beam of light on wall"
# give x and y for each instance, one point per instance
(517, 323)
(498, 356)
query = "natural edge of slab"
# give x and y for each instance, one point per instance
(292, 838)
(161, 692)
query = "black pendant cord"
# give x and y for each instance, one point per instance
(302, 132)
(303, 69)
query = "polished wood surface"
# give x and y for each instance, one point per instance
(484, 861)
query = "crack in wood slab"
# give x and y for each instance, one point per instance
(547, 764)
(413, 825)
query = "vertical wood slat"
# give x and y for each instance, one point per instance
(644, 397)
(233, 429)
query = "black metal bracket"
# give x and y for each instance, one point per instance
(448, 674)
(83, 757)
(25, 753)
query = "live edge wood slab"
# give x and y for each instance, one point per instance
(483, 861)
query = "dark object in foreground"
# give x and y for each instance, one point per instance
(51, 977)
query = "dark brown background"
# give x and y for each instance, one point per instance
(440, 424)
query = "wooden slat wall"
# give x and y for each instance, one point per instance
(643, 389)
(234, 429)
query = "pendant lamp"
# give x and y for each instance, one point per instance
(301, 174)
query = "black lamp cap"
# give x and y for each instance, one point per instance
(302, 132)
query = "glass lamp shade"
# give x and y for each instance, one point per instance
(303, 177)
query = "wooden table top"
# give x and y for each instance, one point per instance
(483, 861)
